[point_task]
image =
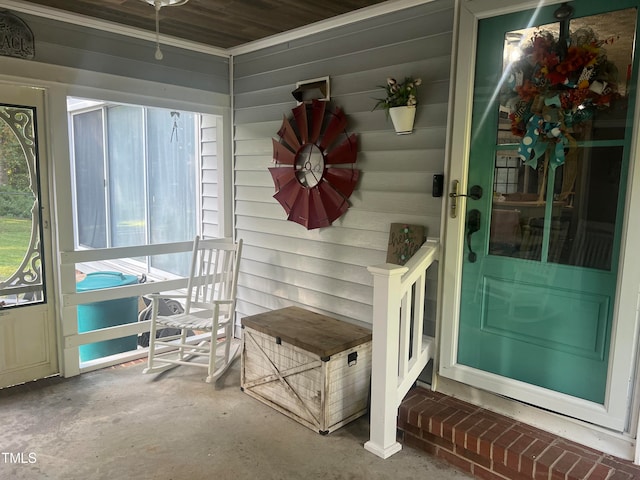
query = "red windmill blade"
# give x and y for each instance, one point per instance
(300, 211)
(318, 217)
(334, 204)
(288, 134)
(300, 114)
(346, 152)
(282, 154)
(317, 118)
(336, 126)
(288, 194)
(342, 179)
(282, 175)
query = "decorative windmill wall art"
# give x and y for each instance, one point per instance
(315, 160)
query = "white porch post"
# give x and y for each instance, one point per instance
(384, 362)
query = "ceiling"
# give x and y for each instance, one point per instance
(217, 23)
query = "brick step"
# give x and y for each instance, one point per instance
(492, 447)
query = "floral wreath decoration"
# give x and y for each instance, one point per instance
(549, 93)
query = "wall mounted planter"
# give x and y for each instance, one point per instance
(403, 118)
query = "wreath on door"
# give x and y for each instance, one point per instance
(315, 157)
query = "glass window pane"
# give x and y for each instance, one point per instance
(172, 183)
(21, 279)
(88, 147)
(589, 82)
(126, 176)
(589, 218)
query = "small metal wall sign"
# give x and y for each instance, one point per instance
(16, 38)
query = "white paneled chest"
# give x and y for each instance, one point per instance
(310, 367)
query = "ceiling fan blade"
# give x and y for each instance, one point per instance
(346, 152)
(335, 127)
(317, 118)
(300, 114)
(281, 154)
(282, 176)
(342, 179)
(288, 134)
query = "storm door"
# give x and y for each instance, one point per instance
(27, 328)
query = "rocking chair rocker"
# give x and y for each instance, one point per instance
(209, 308)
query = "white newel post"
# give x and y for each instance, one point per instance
(384, 362)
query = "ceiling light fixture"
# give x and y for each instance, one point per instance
(158, 4)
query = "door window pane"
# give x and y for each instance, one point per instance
(21, 276)
(558, 201)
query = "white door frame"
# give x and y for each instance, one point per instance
(614, 414)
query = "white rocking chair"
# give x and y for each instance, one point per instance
(209, 308)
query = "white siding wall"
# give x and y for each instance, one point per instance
(325, 269)
(209, 186)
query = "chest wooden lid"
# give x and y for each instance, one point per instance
(315, 333)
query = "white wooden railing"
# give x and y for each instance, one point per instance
(400, 351)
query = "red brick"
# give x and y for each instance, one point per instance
(420, 444)
(461, 431)
(619, 475)
(453, 459)
(600, 472)
(426, 393)
(461, 405)
(621, 465)
(421, 414)
(407, 405)
(507, 472)
(535, 432)
(450, 423)
(472, 436)
(578, 449)
(498, 452)
(500, 419)
(515, 451)
(407, 427)
(484, 474)
(580, 469)
(487, 438)
(437, 440)
(437, 420)
(564, 464)
(473, 457)
(530, 455)
(543, 464)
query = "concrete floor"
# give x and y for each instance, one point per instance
(117, 424)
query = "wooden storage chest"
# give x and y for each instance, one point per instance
(312, 368)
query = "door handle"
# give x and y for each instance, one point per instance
(475, 193)
(473, 225)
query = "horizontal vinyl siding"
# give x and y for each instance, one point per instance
(81, 47)
(325, 269)
(209, 198)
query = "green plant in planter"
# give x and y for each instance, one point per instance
(399, 94)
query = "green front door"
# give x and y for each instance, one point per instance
(551, 133)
